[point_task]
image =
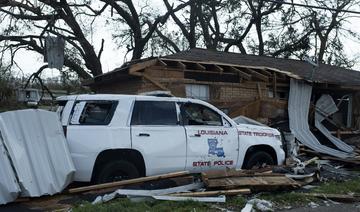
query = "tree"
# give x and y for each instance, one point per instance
(28, 23)
(140, 23)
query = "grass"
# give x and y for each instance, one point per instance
(287, 198)
(280, 200)
(299, 199)
(350, 186)
(125, 205)
(236, 202)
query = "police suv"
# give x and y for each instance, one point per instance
(115, 137)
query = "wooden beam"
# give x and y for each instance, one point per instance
(161, 62)
(180, 65)
(210, 72)
(265, 72)
(128, 182)
(259, 91)
(142, 65)
(258, 75)
(287, 73)
(217, 68)
(199, 66)
(274, 85)
(241, 73)
(156, 83)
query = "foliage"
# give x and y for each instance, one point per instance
(150, 28)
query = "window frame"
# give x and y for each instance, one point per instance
(177, 110)
(183, 115)
(114, 104)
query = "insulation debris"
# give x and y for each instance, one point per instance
(35, 145)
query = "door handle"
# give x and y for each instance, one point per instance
(144, 134)
(196, 135)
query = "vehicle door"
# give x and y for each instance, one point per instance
(157, 134)
(212, 143)
(89, 131)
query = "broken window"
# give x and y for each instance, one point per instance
(154, 113)
(196, 114)
(93, 113)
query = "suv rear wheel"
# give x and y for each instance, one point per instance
(258, 160)
(117, 171)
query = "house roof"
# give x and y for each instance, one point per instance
(292, 68)
(322, 74)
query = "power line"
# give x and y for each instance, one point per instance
(313, 6)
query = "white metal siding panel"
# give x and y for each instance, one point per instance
(299, 102)
(325, 106)
(9, 188)
(38, 150)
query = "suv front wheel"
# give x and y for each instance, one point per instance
(259, 159)
(117, 171)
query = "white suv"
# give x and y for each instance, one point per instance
(114, 137)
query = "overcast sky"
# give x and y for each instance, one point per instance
(113, 56)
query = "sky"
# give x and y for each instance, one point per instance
(113, 55)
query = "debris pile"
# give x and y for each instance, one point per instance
(211, 186)
(216, 185)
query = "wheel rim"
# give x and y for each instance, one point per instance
(118, 176)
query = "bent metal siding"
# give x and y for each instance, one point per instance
(298, 107)
(38, 151)
(9, 188)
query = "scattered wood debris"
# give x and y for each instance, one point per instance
(231, 179)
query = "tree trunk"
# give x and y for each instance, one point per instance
(260, 37)
(322, 49)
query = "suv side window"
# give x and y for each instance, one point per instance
(154, 113)
(196, 114)
(93, 112)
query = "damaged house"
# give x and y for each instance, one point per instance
(254, 86)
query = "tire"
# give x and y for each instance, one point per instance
(117, 171)
(258, 159)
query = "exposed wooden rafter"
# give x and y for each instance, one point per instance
(217, 68)
(258, 75)
(265, 72)
(275, 84)
(142, 65)
(180, 65)
(161, 62)
(241, 73)
(267, 69)
(199, 66)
